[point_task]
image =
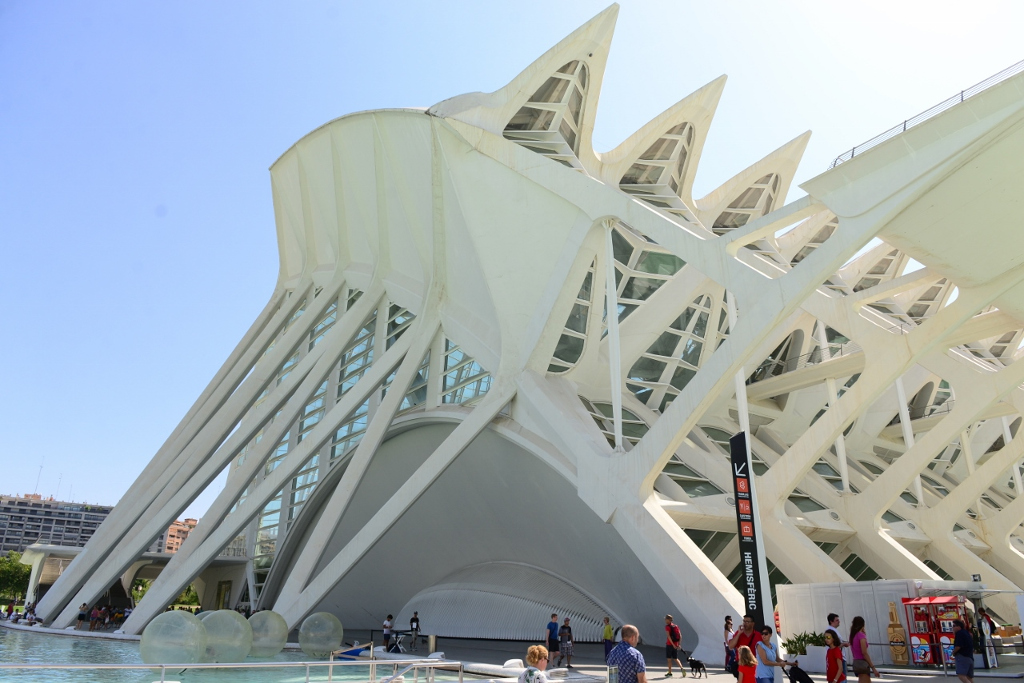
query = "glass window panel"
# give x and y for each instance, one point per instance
(586, 287)
(569, 68)
(625, 310)
(683, 321)
(642, 393)
(646, 370)
(640, 288)
(642, 174)
(575, 105)
(681, 377)
(748, 199)
(577, 320)
(658, 263)
(681, 163)
(665, 345)
(529, 118)
(696, 489)
(806, 503)
(691, 352)
(661, 150)
(634, 430)
(621, 248)
(583, 77)
(568, 133)
(569, 348)
(729, 220)
(700, 328)
(553, 90)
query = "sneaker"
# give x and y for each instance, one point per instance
(569, 667)
(668, 675)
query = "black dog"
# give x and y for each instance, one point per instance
(696, 667)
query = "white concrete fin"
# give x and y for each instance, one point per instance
(588, 46)
(697, 109)
(781, 163)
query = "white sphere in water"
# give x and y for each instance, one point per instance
(176, 637)
(269, 633)
(320, 634)
(228, 636)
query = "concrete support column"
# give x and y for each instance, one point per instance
(908, 435)
(968, 453)
(614, 352)
(833, 398)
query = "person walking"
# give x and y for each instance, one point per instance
(609, 637)
(746, 636)
(673, 639)
(834, 663)
(833, 625)
(414, 629)
(862, 664)
(536, 663)
(730, 653)
(963, 652)
(565, 643)
(625, 656)
(747, 668)
(387, 633)
(767, 657)
(551, 636)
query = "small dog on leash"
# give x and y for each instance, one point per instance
(696, 667)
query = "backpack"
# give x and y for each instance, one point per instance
(675, 634)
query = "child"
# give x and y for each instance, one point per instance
(747, 665)
(833, 659)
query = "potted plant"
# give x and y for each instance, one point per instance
(810, 648)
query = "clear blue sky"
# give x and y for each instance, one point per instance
(135, 209)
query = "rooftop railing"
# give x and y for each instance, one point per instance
(929, 113)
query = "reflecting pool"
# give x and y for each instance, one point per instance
(23, 647)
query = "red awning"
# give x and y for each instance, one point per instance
(935, 600)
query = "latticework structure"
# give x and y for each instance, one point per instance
(436, 412)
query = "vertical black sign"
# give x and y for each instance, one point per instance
(754, 597)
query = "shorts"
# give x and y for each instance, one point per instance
(552, 645)
(860, 667)
(671, 651)
(565, 648)
(964, 665)
(81, 616)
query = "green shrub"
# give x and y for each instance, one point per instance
(797, 644)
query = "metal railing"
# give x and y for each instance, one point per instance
(925, 115)
(933, 410)
(428, 666)
(773, 367)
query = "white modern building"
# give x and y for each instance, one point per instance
(434, 413)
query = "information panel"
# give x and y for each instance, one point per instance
(756, 600)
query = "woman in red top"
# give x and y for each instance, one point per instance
(747, 664)
(833, 660)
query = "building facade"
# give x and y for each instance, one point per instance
(434, 411)
(177, 533)
(31, 518)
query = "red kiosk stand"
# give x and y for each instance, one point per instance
(930, 622)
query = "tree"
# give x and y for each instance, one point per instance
(189, 596)
(14, 576)
(139, 588)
